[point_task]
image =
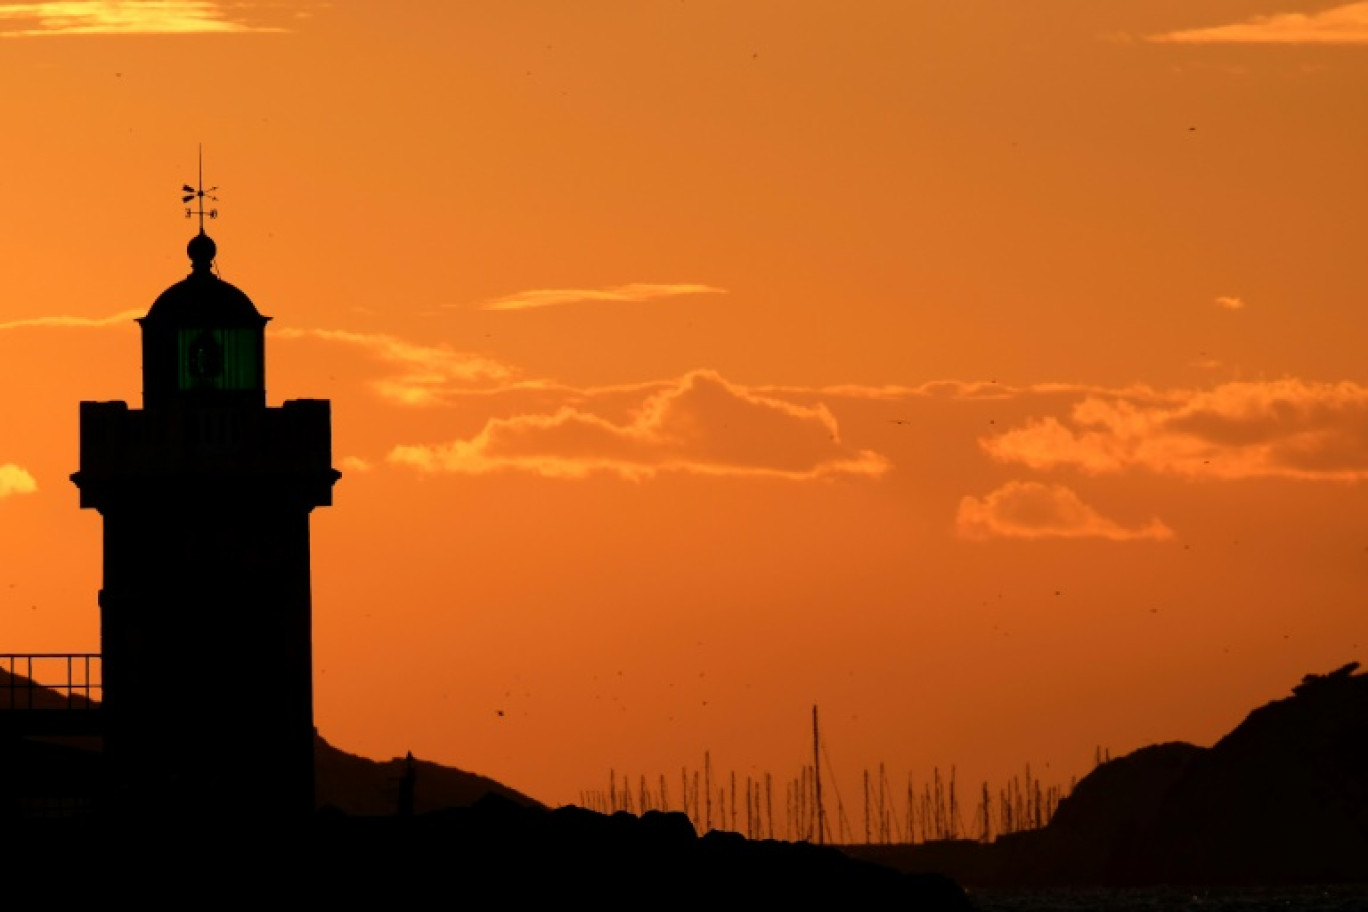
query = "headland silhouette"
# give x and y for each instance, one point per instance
(1281, 799)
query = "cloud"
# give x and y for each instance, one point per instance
(69, 322)
(1230, 302)
(981, 390)
(554, 297)
(1343, 24)
(699, 425)
(126, 17)
(1273, 429)
(426, 372)
(14, 480)
(1029, 509)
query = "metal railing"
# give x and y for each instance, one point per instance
(51, 681)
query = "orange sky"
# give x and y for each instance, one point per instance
(989, 374)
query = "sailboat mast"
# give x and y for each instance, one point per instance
(817, 775)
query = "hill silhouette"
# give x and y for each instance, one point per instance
(1285, 792)
(63, 769)
(19, 692)
(1282, 798)
(357, 785)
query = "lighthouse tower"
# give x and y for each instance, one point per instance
(205, 609)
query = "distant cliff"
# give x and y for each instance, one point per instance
(1285, 794)
(1282, 798)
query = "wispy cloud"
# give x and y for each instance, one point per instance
(980, 390)
(127, 17)
(69, 322)
(14, 480)
(555, 297)
(1230, 302)
(426, 373)
(699, 425)
(1274, 429)
(1343, 24)
(1032, 510)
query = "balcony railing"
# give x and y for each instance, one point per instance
(51, 681)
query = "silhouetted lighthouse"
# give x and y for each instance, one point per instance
(205, 613)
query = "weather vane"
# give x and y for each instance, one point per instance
(199, 193)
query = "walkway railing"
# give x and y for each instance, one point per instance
(51, 681)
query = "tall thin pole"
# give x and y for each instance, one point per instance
(733, 804)
(707, 792)
(883, 809)
(817, 776)
(769, 803)
(866, 805)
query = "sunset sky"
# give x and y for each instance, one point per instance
(987, 373)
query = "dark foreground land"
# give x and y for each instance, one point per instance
(496, 853)
(397, 831)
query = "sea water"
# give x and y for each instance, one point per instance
(1324, 898)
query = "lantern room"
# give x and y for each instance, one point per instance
(203, 341)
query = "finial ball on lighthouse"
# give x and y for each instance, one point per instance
(202, 251)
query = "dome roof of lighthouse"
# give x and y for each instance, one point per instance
(202, 298)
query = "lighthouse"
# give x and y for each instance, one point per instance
(205, 607)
